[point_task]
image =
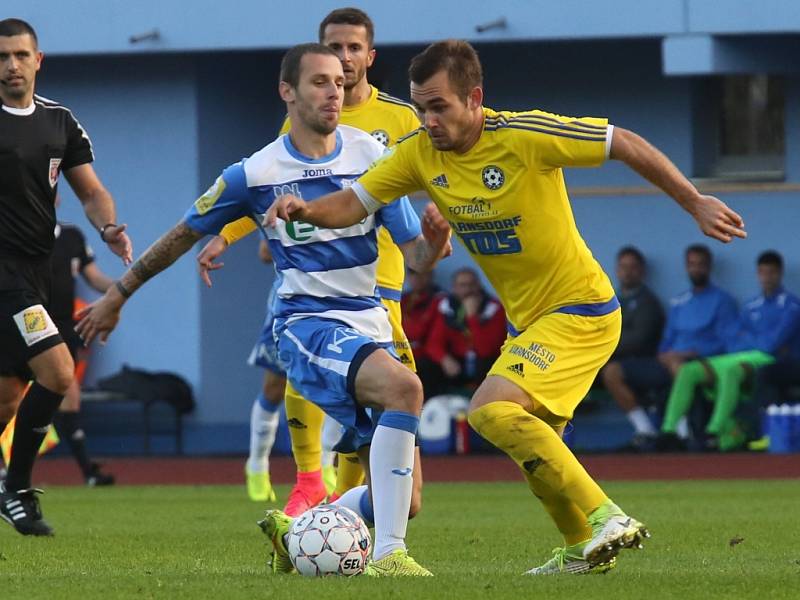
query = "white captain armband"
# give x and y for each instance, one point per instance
(370, 204)
(609, 137)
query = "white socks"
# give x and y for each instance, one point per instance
(263, 428)
(357, 500)
(391, 462)
(641, 422)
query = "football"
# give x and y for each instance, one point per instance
(329, 540)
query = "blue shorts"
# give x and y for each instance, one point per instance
(323, 358)
(265, 352)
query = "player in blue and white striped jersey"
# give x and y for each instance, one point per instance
(332, 331)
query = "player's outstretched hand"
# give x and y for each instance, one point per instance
(436, 230)
(119, 242)
(287, 207)
(98, 319)
(205, 260)
(718, 221)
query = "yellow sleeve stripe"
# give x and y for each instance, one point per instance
(575, 123)
(577, 126)
(561, 130)
(411, 134)
(383, 97)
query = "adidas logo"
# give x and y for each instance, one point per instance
(296, 423)
(440, 181)
(517, 369)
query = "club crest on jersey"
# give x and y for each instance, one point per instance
(53, 173)
(381, 136)
(493, 177)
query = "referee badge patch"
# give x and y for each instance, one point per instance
(53, 174)
(205, 202)
(35, 324)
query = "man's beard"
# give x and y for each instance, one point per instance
(700, 280)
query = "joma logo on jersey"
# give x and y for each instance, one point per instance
(317, 172)
(490, 237)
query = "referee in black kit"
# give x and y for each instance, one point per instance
(39, 139)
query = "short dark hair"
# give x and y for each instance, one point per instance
(457, 57)
(770, 257)
(10, 27)
(632, 251)
(348, 16)
(465, 271)
(700, 249)
(290, 65)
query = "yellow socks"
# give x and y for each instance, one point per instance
(570, 520)
(349, 473)
(305, 428)
(540, 453)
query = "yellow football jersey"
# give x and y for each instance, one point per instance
(387, 119)
(507, 202)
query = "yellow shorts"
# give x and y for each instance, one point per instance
(556, 359)
(401, 343)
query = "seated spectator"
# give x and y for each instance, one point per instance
(642, 314)
(695, 327)
(468, 329)
(764, 332)
(418, 306)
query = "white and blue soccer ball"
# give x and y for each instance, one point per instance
(329, 540)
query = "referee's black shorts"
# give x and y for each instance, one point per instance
(26, 329)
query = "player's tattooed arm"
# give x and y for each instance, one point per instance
(165, 251)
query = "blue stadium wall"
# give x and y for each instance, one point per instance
(166, 120)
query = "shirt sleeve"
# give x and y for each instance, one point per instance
(555, 141)
(79, 146)
(400, 220)
(227, 200)
(390, 177)
(788, 326)
(668, 338)
(233, 232)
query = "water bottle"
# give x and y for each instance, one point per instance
(794, 443)
(779, 423)
(462, 433)
(470, 364)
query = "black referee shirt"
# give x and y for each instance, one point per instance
(34, 148)
(71, 254)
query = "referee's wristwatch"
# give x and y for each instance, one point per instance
(103, 231)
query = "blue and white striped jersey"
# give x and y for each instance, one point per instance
(328, 273)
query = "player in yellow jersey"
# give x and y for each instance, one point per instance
(497, 177)
(350, 33)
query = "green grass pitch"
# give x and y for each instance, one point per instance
(710, 540)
